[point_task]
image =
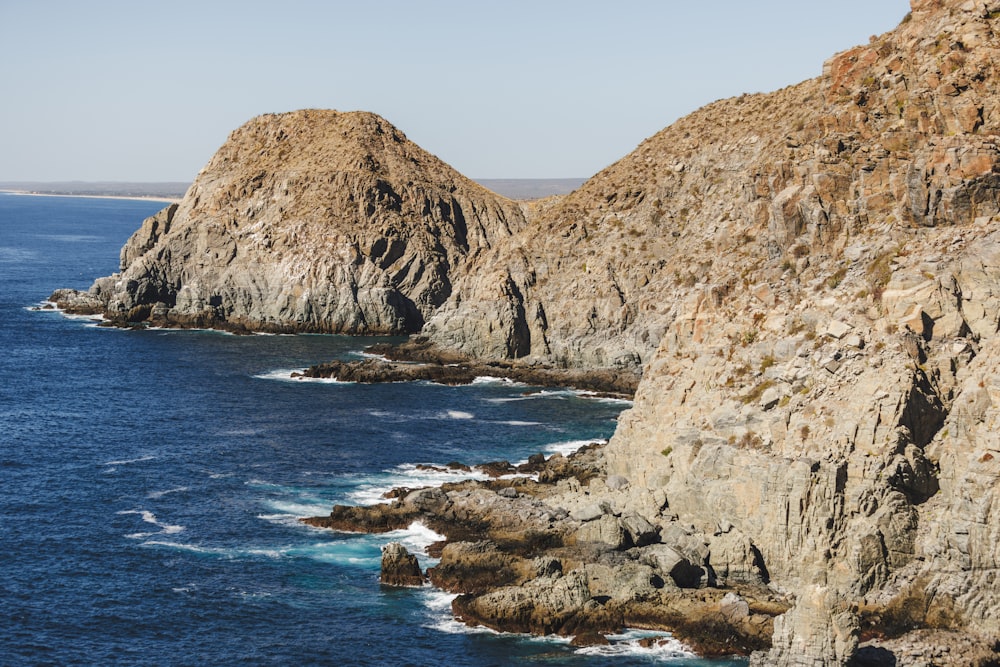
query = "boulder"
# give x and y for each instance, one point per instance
(590, 512)
(625, 532)
(671, 564)
(400, 567)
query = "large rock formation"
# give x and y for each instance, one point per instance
(309, 221)
(809, 279)
(400, 567)
(826, 386)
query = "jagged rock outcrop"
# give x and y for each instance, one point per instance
(825, 388)
(399, 567)
(522, 563)
(809, 280)
(309, 221)
(895, 134)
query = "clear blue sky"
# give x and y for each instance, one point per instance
(147, 91)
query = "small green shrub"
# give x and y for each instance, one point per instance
(879, 272)
(837, 278)
(754, 394)
(800, 250)
(750, 440)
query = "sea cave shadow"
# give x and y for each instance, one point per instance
(873, 656)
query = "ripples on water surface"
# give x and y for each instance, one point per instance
(152, 481)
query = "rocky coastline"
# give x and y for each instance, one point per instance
(802, 288)
(419, 359)
(541, 548)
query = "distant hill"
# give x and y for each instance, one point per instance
(531, 188)
(513, 188)
(170, 190)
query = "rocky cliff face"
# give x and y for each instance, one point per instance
(809, 278)
(896, 134)
(823, 390)
(310, 221)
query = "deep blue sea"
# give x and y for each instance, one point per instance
(151, 481)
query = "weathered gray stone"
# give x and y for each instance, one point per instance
(616, 482)
(589, 512)
(400, 567)
(837, 329)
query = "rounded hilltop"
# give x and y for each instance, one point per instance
(331, 141)
(312, 220)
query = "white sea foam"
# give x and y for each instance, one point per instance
(288, 504)
(359, 550)
(438, 606)
(300, 507)
(285, 375)
(150, 518)
(90, 320)
(489, 379)
(238, 431)
(663, 646)
(594, 396)
(171, 331)
(15, 255)
(559, 394)
(69, 238)
(437, 600)
(44, 307)
(124, 462)
(456, 414)
(562, 394)
(515, 422)
(193, 548)
(407, 475)
(416, 538)
(281, 374)
(232, 553)
(570, 446)
(280, 519)
(159, 494)
(369, 355)
(264, 484)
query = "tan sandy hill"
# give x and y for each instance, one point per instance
(809, 280)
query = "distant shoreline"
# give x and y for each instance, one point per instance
(25, 193)
(173, 191)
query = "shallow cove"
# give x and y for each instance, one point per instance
(151, 480)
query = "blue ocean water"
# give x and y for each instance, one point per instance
(150, 482)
